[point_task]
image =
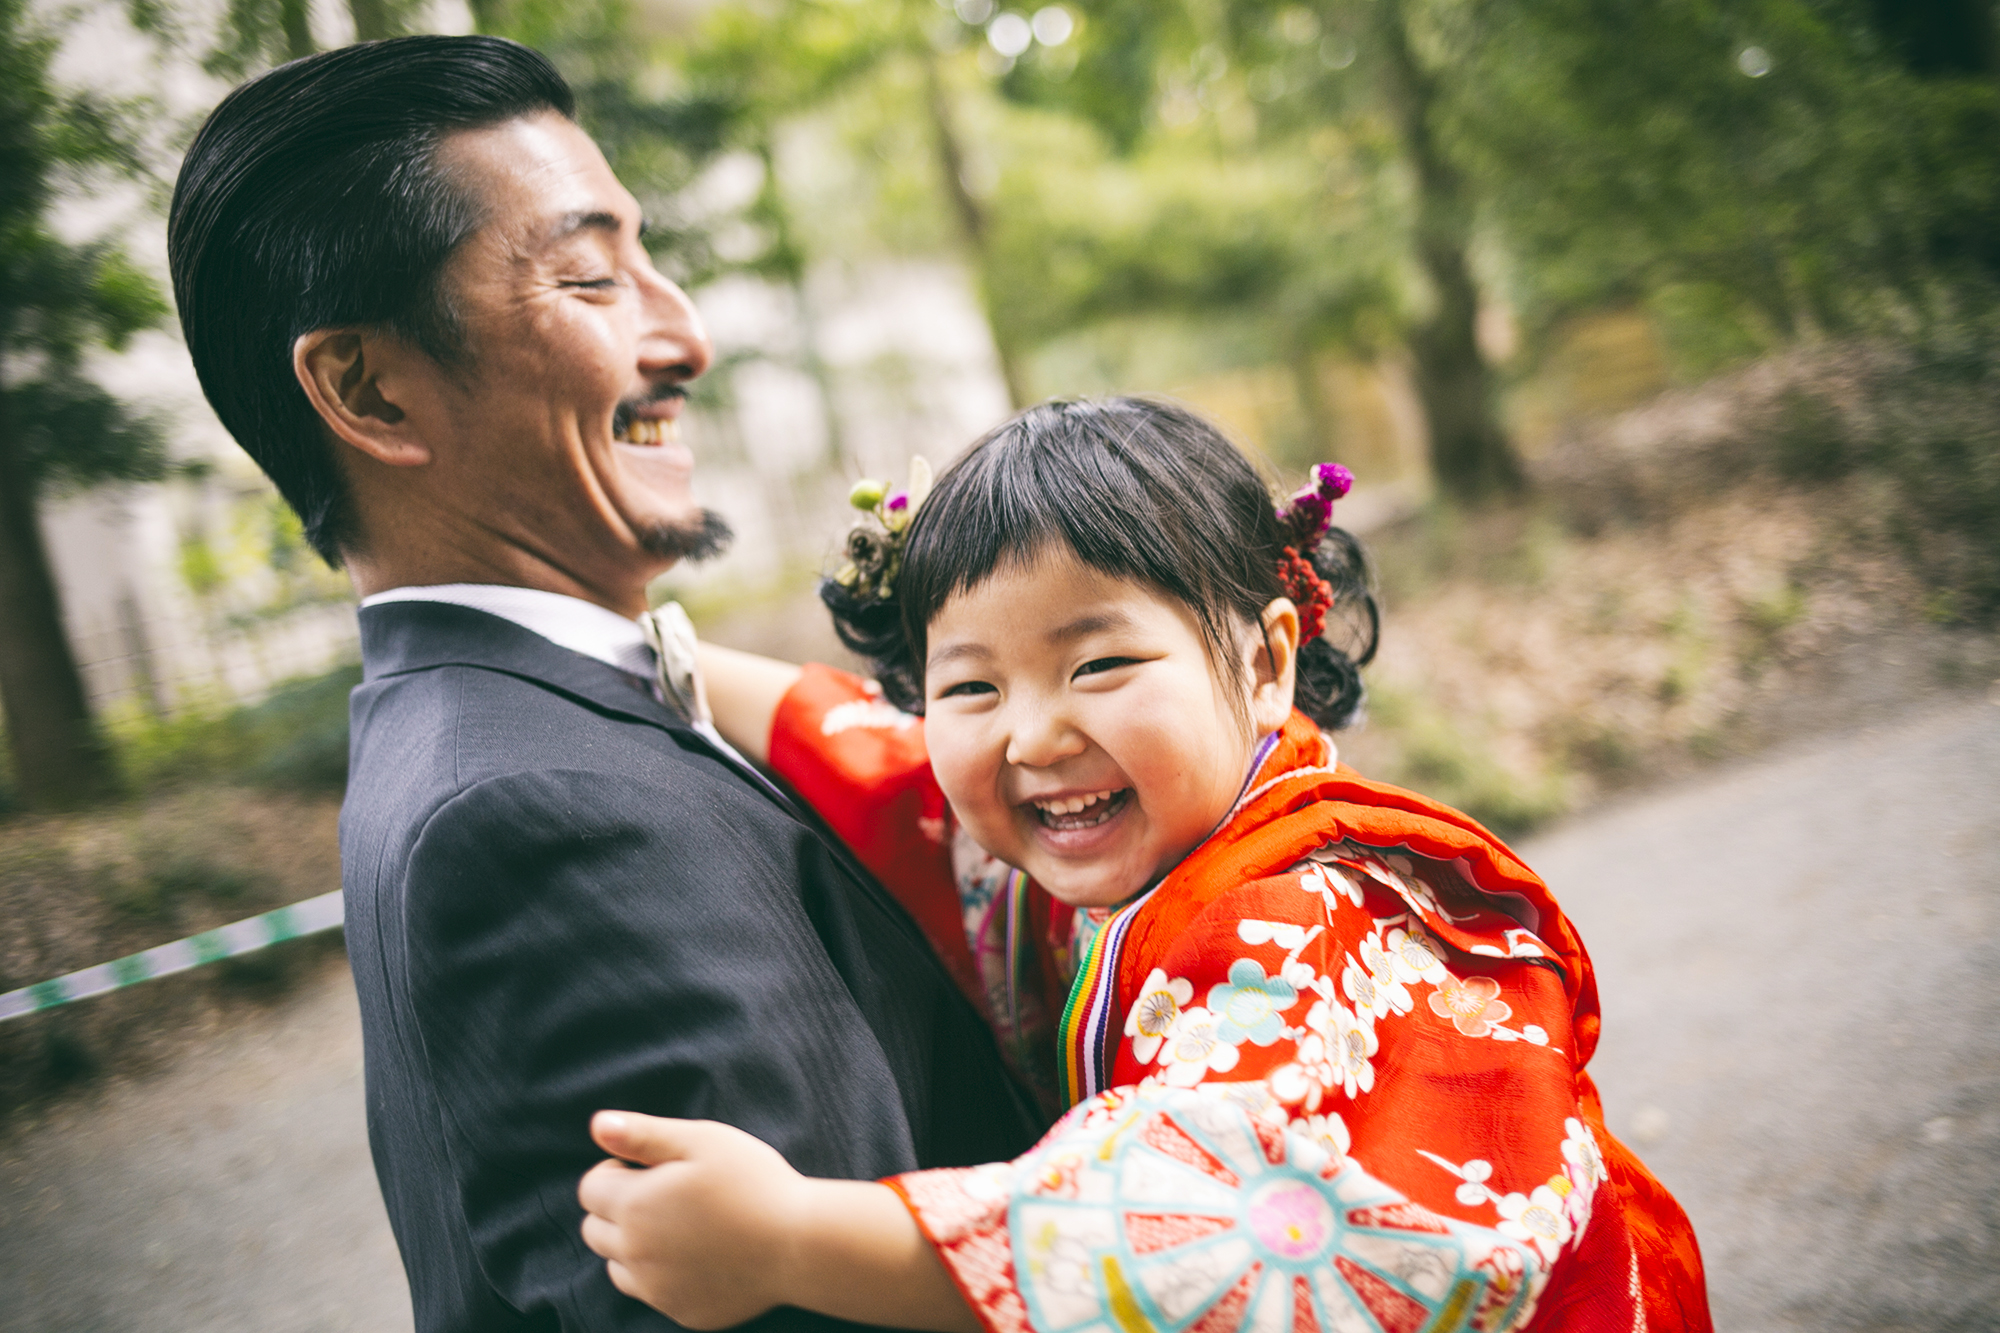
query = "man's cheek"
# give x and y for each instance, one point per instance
(587, 348)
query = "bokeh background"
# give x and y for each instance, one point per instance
(1662, 337)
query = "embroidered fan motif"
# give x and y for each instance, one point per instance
(1199, 1211)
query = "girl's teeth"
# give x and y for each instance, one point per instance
(1067, 814)
(1074, 804)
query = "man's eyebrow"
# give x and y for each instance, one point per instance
(569, 224)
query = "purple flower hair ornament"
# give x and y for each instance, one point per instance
(1304, 518)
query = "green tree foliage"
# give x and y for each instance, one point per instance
(57, 428)
(772, 63)
(1749, 172)
(655, 131)
(1756, 172)
(256, 33)
(1180, 159)
(1382, 234)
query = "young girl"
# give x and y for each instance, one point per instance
(1323, 1051)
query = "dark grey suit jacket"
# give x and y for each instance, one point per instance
(561, 899)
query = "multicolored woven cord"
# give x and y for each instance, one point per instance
(211, 946)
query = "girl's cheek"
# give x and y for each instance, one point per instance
(955, 765)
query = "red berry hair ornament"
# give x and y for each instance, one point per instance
(1302, 522)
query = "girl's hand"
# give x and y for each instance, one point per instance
(703, 1233)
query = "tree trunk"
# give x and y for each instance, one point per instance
(58, 757)
(488, 16)
(372, 20)
(778, 214)
(1471, 456)
(293, 16)
(971, 215)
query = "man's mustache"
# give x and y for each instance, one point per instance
(623, 415)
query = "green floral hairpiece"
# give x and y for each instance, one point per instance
(875, 550)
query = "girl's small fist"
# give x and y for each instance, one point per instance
(701, 1227)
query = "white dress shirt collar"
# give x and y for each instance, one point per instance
(568, 622)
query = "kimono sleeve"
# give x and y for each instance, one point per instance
(1324, 1117)
(860, 763)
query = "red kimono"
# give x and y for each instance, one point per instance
(1327, 1076)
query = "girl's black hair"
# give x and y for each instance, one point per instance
(1138, 489)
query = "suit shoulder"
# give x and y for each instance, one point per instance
(492, 723)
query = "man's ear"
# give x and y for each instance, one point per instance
(353, 379)
(1274, 662)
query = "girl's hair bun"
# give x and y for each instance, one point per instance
(1329, 690)
(872, 628)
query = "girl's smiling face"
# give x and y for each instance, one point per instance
(1079, 729)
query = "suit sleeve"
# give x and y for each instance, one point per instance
(571, 951)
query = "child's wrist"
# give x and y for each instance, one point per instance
(803, 1242)
(845, 1250)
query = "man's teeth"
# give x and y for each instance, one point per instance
(1074, 804)
(644, 430)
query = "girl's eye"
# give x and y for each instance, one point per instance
(966, 688)
(1099, 665)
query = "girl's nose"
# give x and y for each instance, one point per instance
(1041, 737)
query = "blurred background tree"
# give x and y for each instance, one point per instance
(58, 429)
(1753, 174)
(765, 66)
(254, 34)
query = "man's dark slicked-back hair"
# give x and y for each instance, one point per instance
(312, 199)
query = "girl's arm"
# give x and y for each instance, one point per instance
(743, 692)
(719, 1228)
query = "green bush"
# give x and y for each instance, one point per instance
(1439, 757)
(295, 739)
(1925, 428)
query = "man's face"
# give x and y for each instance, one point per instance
(559, 431)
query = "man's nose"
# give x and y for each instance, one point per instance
(1040, 736)
(672, 340)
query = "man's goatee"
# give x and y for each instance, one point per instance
(701, 537)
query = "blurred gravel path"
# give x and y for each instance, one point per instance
(232, 1194)
(1800, 968)
(1800, 964)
